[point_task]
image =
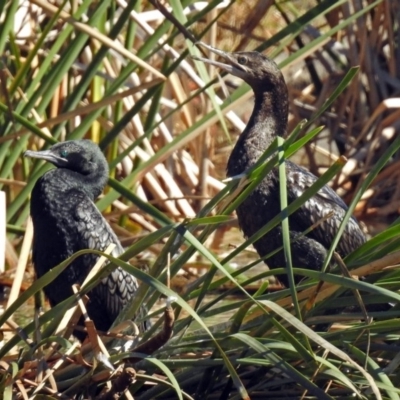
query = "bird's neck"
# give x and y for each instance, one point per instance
(95, 182)
(92, 184)
(268, 120)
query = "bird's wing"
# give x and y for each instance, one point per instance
(325, 202)
(94, 232)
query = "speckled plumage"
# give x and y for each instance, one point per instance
(66, 220)
(268, 120)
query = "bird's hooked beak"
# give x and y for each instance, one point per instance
(231, 65)
(47, 155)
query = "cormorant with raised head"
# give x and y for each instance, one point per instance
(66, 220)
(269, 120)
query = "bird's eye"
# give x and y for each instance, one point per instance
(64, 153)
(242, 60)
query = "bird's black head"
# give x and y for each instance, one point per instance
(82, 156)
(261, 73)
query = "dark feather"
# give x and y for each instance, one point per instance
(66, 220)
(325, 202)
(268, 120)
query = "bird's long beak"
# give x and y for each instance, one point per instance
(47, 155)
(230, 66)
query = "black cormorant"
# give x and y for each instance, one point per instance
(269, 120)
(66, 220)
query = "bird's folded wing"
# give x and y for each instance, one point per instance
(94, 232)
(324, 203)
